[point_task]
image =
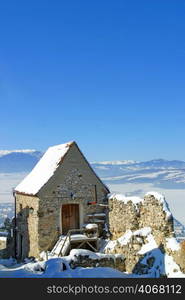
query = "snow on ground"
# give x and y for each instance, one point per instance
(60, 268)
(54, 268)
(143, 231)
(163, 264)
(149, 246)
(125, 239)
(172, 270)
(92, 255)
(91, 226)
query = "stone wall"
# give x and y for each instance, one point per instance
(122, 217)
(27, 225)
(3, 247)
(153, 214)
(178, 255)
(127, 215)
(132, 222)
(88, 259)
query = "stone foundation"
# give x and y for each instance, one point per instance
(88, 259)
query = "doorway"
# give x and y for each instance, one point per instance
(70, 217)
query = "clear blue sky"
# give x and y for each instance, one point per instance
(108, 74)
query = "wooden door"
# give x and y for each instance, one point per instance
(70, 217)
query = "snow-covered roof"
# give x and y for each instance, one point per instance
(44, 169)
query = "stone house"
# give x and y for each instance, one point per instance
(62, 192)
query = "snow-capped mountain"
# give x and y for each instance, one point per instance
(132, 178)
(116, 162)
(179, 229)
(158, 171)
(13, 161)
(161, 172)
(5, 152)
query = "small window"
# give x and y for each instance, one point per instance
(31, 210)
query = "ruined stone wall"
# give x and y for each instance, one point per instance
(88, 259)
(133, 220)
(122, 217)
(129, 249)
(152, 214)
(178, 255)
(147, 213)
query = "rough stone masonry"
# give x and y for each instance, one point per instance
(148, 212)
(134, 214)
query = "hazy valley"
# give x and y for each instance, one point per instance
(128, 177)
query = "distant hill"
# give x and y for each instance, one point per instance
(161, 172)
(18, 160)
(164, 173)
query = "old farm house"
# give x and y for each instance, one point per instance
(60, 203)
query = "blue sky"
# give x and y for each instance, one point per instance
(108, 74)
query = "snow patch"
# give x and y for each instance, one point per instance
(143, 231)
(92, 255)
(125, 239)
(149, 246)
(172, 244)
(171, 268)
(123, 198)
(91, 226)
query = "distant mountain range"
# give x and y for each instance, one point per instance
(16, 161)
(179, 230)
(161, 172)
